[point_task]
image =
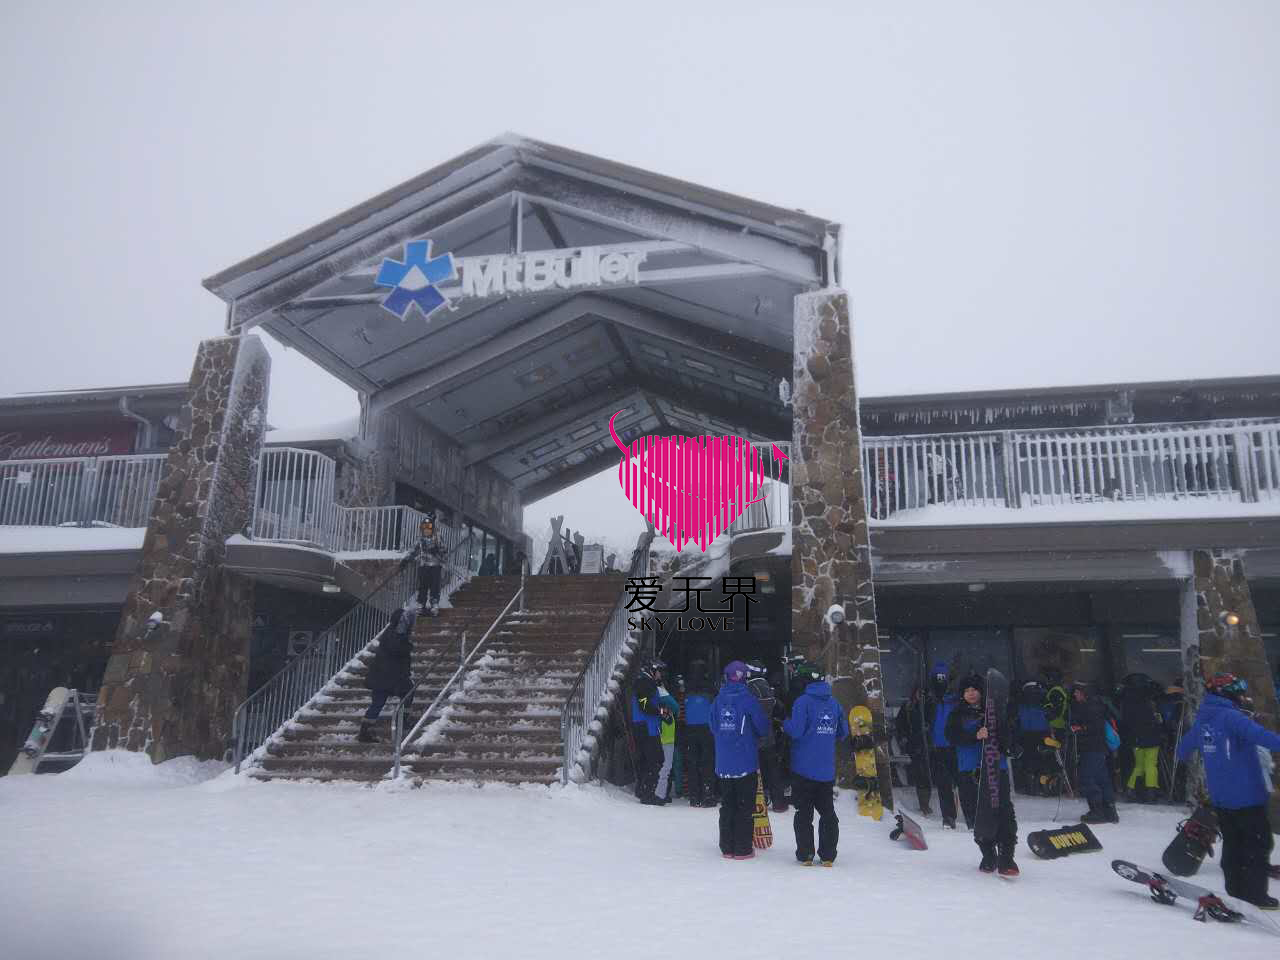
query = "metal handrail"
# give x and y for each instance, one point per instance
(398, 718)
(296, 684)
(595, 672)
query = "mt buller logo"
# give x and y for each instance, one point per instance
(413, 280)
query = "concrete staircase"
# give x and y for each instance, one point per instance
(501, 723)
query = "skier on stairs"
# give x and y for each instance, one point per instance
(429, 554)
(389, 673)
(1227, 740)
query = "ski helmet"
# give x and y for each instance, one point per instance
(735, 672)
(755, 668)
(806, 672)
(1227, 685)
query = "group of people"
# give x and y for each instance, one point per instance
(1066, 738)
(731, 740)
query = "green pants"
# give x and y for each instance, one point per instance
(1144, 763)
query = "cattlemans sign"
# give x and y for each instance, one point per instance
(427, 280)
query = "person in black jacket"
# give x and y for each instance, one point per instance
(968, 732)
(1089, 724)
(1141, 736)
(646, 725)
(389, 670)
(909, 727)
(770, 775)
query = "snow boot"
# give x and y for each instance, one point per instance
(1267, 903)
(1007, 868)
(366, 734)
(1110, 812)
(1096, 814)
(988, 864)
(949, 822)
(828, 863)
(805, 863)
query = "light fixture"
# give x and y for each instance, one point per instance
(1229, 619)
(330, 587)
(977, 587)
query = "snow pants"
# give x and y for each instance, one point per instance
(648, 760)
(944, 781)
(1095, 780)
(664, 771)
(809, 795)
(700, 759)
(429, 586)
(1246, 851)
(1144, 765)
(378, 699)
(1004, 838)
(967, 784)
(737, 801)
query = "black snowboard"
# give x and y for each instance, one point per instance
(1063, 841)
(995, 717)
(1194, 840)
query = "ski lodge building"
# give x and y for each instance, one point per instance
(217, 584)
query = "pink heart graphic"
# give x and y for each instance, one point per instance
(691, 488)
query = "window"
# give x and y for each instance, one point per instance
(901, 660)
(1155, 651)
(1076, 651)
(971, 651)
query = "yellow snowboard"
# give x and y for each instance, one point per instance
(761, 831)
(866, 778)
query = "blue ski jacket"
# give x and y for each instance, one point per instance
(1031, 719)
(816, 724)
(1227, 740)
(697, 710)
(738, 721)
(962, 728)
(942, 711)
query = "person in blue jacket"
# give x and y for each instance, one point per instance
(700, 745)
(942, 756)
(738, 722)
(817, 723)
(1228, 740)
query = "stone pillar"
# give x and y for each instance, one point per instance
(179, 666)
(1218, 586)
(831, 551)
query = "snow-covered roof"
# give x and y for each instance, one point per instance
(70, 539)
(177, 391)
(335, 431)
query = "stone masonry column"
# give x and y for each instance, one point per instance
(831, 550)
(179, 666)
(1218, 586)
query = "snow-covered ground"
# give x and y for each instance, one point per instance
(119, 859)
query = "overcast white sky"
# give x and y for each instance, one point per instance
(1032, 193)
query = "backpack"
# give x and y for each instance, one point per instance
(1113, 738)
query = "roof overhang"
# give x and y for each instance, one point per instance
(578, 287)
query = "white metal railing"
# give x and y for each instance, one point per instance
(584, 698)
(295, 502)
(116, 491)
(1227, 460)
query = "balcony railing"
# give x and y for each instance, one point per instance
(1223, 462)
(80, 491)
(296, 504)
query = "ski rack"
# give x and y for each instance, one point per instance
(81, 706)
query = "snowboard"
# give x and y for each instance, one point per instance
(1193, 841)
(1062, 842)
(995, 713)
(1208, 905)
(866, 777)
(41, 731)
(761, 831)
(910, 830)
